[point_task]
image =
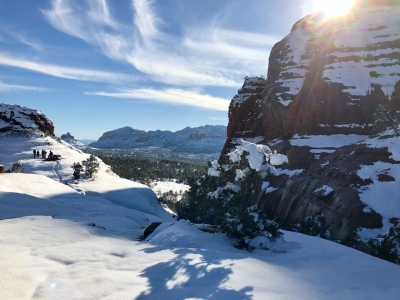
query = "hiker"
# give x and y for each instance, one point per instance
(44, 152)
(50, 154)
(37, 153)
(34, 153)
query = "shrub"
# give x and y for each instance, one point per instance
(17, 167)
(78, 168)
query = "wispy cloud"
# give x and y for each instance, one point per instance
(13, 34)
(4, 87)
(213, 57)
(171, 96)
(94, 25)
(64, 72)
(22, 38)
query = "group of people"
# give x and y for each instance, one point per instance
(44, 153)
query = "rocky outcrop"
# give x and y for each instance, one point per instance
(70, 139)
(245, 114)
(204, 139)
(303, 195)
(17, 118)
(327, 78)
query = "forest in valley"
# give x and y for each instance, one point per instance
(145, 170)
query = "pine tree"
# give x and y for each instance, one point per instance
(91, 166)
(228, 195)
(78, 168)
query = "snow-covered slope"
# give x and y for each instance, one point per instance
(204, 139)
(117, 193)
(66, 239)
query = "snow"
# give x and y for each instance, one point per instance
(288, 172)
(355, 73)
(256, 154)
(19, 115)
(277, 159)
(363, 53)
(381, 196)
(62, 240)
(266, 188)
(324, 190)
(392, 143)
(161, 187)
(213, 170)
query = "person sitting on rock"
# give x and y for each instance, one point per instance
(50, 154)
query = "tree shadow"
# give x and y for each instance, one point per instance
(193, 273)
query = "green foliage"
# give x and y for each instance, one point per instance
(291, 153)
(312, 225)
(230, 201)
(144, 170)
(17, 167)
(78, 168)
(315, 226)
(387, 247)
(91, 166)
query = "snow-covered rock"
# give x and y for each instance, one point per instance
(325, 81)
(17, 119)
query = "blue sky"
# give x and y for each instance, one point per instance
(97, 65)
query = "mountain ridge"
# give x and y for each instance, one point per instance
(203, 139)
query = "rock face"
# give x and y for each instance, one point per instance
(327, 78)
(245, 114)
(205, 139)
(15, 118)
(70, 139)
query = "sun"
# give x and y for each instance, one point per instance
(333, 8)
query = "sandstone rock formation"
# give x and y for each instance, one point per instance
(245, 114)
(17, 118)
(326, 77)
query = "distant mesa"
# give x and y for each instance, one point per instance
(15, 119)
(204, 139)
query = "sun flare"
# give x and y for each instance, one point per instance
(333, 8)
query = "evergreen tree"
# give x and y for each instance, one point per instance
(91, 166)
(78, 168)
(227, 196)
